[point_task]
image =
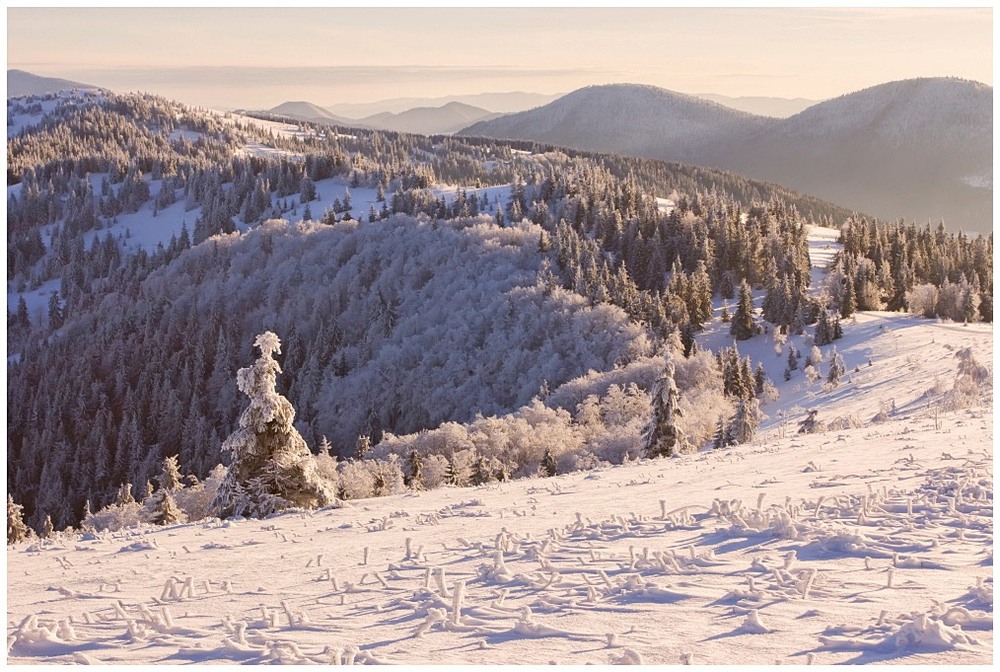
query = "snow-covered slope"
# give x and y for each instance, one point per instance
(628, 119)
(919, 149)
(898, 149)
(866, 544)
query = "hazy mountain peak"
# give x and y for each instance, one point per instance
(23, 83)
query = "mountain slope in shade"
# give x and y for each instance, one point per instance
(631, 119)
(306, 111)
(920, 149)
(22, 83)
(448, 118)
(767, 106)
(503, 103)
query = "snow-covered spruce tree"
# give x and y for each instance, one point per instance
(16, 529)
(272, 468)
(549, 463)
(743, 326)
(837, 368)
(167, 511)
(663, 436)
(170, 476)
(743, 425)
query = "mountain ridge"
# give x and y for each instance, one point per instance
(914, 148)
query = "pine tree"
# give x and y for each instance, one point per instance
(168, 513)
(720, 440)
(415, 478)
(663, 436)
(272, 468)
(837, 368)
(743, 425)
(743, 326)
(16, 529)
(362, 446)
(170, 476)
(849, 302)
(759, 379)
(549, 463)
(822, 335)
(48, 529)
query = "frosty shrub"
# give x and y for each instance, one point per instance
(842, 422)
(972, 382)
(116, 517)
(357, 480)
(922, 300)
(434, 470)
(272, 468)
(196, 500)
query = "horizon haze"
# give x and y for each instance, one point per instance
(227, 58)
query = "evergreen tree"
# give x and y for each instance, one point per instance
(48, 529)
(548, 463)
(759, 380)
(721, 437)
(16, 529)
(170, 475)
(663, 435)
(849, 302)
(415, 478)
(743, 326)
(823, 335)
(745, 421)
(838, 331)
(167, 512)
(362, 446)
(837, 368)
(272, 468)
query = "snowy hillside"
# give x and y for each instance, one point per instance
(628, 119)
(857, 545)
(909, 148)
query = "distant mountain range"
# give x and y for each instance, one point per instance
(305, 111)
(766, 106)
(503, 103)
(448, 118)
(919, 149)
(21, 83)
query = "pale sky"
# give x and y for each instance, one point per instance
(260, 57)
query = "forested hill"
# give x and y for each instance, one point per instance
(149, 242)
(920, 149)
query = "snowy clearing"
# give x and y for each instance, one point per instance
(866, 544)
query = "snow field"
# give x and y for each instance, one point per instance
(853, 546)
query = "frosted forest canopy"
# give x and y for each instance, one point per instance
(427, 309)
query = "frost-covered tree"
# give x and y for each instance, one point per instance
(167, 511)
(743, 425)
(414, 477)
(170, 476)
(549, 463)
(837, 368)
(271, 468)
(743, 326)
(16, 529)
(663, 435)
